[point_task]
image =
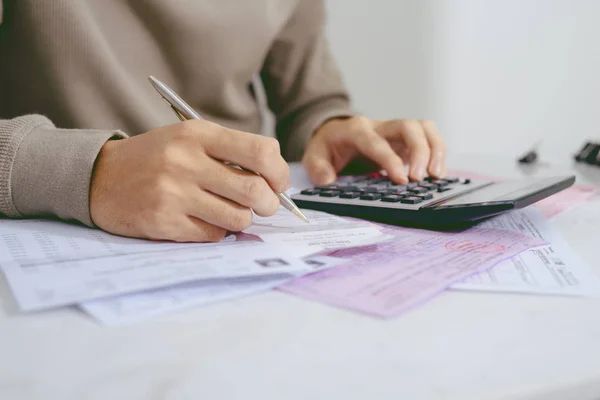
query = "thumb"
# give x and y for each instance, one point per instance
(318, 164)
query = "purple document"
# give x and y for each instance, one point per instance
(389, 278)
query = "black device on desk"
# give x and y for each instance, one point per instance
(433, 203)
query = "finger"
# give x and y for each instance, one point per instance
(437, 147)
(412, 135)
(318, 164)
(184, 229)
(219, 211)
(369, 143)
(244, 188)
(196, 230)
(254, 152)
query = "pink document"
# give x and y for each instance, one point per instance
(566, 199)
(387, 279)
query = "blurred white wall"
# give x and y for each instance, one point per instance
(496, 75)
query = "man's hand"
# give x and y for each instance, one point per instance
(386, 145)
(168, 185)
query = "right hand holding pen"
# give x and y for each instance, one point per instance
(168, 185)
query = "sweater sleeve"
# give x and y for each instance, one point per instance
(45, 171)
(303, 85)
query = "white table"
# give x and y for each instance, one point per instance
(277, 346)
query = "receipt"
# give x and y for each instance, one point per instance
(550, 269)
(388, 279)
(58, 283)
(324, 230)
(142, 305)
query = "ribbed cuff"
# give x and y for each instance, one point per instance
(52, 172)
(308, 121)
(12, 133)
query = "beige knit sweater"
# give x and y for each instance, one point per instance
(73, 74)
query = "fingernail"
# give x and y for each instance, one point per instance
(399, 172)
(420, 173)
(437, 165)
(327, 179)
(436, 169)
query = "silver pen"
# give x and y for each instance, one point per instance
(185, 112)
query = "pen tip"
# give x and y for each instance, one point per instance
(301, 216)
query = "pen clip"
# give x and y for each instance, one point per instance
(179, 115)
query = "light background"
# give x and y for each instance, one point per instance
(495, 75)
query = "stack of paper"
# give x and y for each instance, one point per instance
(49, 264)
(376, 269)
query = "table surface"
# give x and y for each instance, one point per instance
(277, 346)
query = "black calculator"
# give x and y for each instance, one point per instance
(432, 203)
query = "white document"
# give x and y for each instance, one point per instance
(44, 285)
(34, 241)
(138, 306)
(49, 263)
(324, 230)
(550, 269)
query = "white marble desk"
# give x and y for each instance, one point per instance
(276, 346)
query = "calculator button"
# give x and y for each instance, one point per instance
(428, 186)
(439, 182)
(466, 181)
(411, 200)
(418, 190)
(387, 191)
(349, 188)
(310, 192)
(405, 194)
(451, 180)
(328, 187)
(412, 185)
(350, 195)
(370, 196)
(380, 180)
(429, 179)
(399, 188)
(443, 189)
(371, 189)
(392, 198)
(425, 196)
(329, 193)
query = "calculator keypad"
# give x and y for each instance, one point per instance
(379, 190)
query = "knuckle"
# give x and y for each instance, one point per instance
(409, 125)
(372, 143)
(169, 158)
(440, 147)
(273, 206)
(238, 220)
(185, 130)
(161, 194)
(213, 233)
(254, 189)
(264, 150)
(272, 145)
(283, 173)
(428, 123)
(360, 123)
